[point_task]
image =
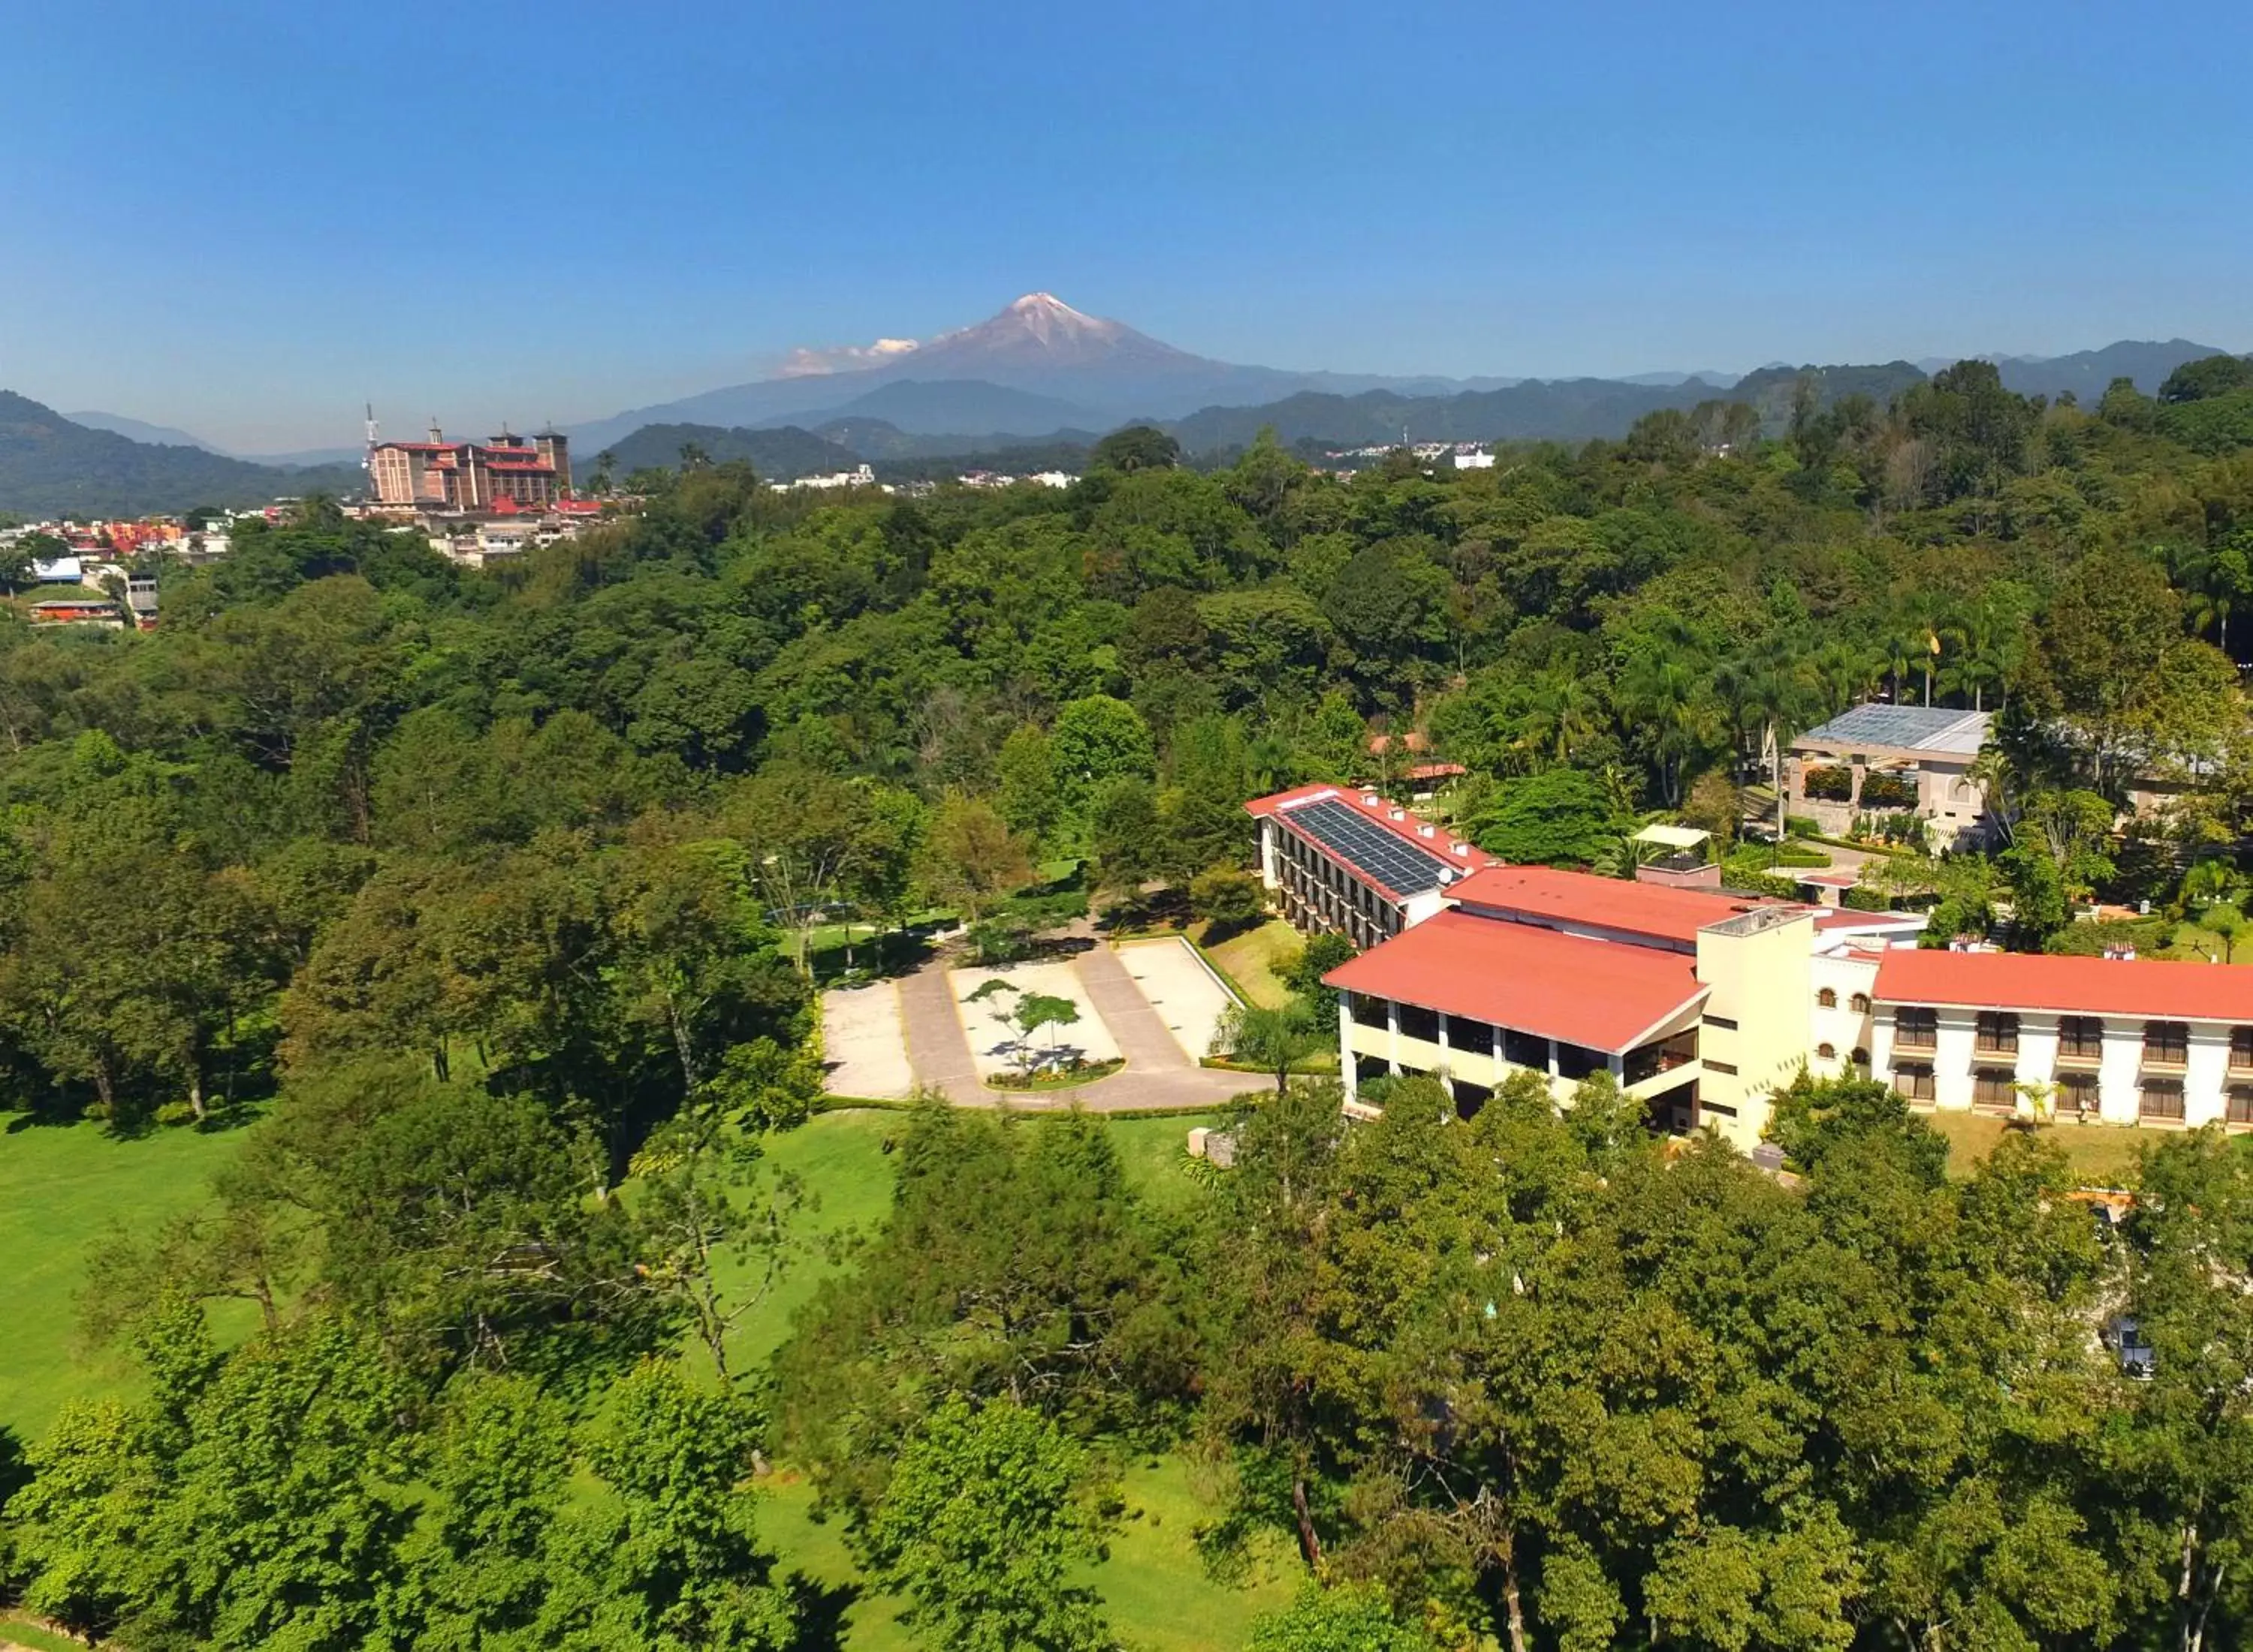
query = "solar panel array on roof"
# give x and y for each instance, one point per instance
(1359, 842)
(1905, 728)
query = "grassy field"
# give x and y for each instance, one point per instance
(1249, 959)
(62, 1187)
(2104, 1155)
(21, 1632)
(1153, 1580)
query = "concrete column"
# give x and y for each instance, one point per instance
(1347, 1061)
(1951, 1059)
(1393, 1037)
(2038, 1050)
(2119, 1092)
(2205, 1077)
(1446, 1075)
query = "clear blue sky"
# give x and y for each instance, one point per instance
(245, 217)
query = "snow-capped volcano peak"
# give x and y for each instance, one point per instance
(1036, 332)
(1040, 325)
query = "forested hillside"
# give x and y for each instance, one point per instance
(482, 906)
(780, 455)
(50, 467)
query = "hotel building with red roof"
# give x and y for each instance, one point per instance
(1701, 1003)
(511, 472)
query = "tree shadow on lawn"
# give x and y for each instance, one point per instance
(1145, 909)
(139, 1122)
(875, 957)
(821, 1609)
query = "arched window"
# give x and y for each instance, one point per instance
(1860, 1057)
(1828, 1052)
(1828, 999)
(1859, 1003)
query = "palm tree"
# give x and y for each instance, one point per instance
(1773, 692)
(1558, 712)
(1667, 697)
(1846, 671)
(1996, 775)
(2213, 580)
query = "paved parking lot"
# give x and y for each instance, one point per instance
(886, 1040)
(1187, 996)
(864, 1035)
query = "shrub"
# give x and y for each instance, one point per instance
(1227, 898)
(1743, 875)
(1862, 900)
(1801, 826)
(1000, 940)
(1882, 790)
(1830, 782)
(2146, 935)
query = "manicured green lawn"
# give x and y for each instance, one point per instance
(2104, 1155)
(1152, 1581)
(62, 1187)
(23, 1632)
(1250, 960)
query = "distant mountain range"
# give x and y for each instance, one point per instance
(1040, 367)
(1105, 372)
(1038, 376)
(165, 436)
(51, 466)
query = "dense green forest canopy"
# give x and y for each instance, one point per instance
(493, 895)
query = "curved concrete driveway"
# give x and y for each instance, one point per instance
(1157, 1074)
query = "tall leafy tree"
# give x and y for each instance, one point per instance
(985, 1518)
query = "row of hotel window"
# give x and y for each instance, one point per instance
(1997, 1087)
(2079, 1037)
(1525, 1050)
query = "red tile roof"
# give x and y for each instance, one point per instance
(2154, 987)
(1553, 897)
(1607, 995)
